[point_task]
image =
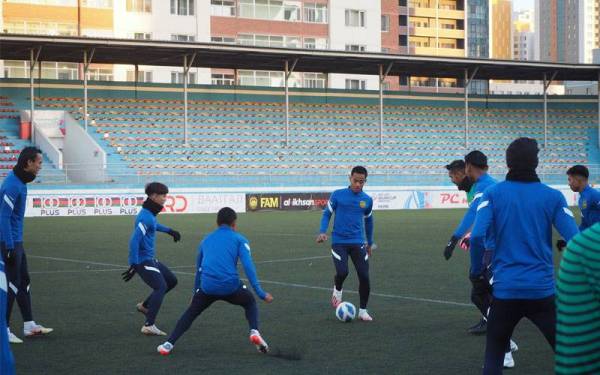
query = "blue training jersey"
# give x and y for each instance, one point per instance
(7, 361)
(521, 215)
(141, 243)
(353, 217)
(483, 182)
(216, 265)
(13, 199)
(589, 204)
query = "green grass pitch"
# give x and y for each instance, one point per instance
(420, 302)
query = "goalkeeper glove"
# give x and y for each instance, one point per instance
(450, 247)
(561, 244)
(128, 275)
(175, 234)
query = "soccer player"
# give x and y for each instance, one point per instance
(456, 172)
(521, 212)
(141, 256)
(7, 361)
(13, 197)
(353, 219)
(589, 198)
(217, 279)
(578, 305)
(476, 168)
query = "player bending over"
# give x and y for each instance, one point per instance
(217, 279)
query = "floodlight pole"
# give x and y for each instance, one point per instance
(288, 72)
(546, 85)
(86, 65)
(468, 80)
(186, 69)
(34, 55)
(382, 76)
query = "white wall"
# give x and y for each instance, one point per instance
(524, 89)
(340, 35)
(162, 24)
(84, 158)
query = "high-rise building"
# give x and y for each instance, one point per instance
(524, 35)
(501, 29)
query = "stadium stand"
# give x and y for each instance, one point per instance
(233, 135)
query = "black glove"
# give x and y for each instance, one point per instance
(480, 284)
(127, 275)
(450, 247)
(175, 234)
(561, 244)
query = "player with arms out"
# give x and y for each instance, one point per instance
(353, 210)
(141, 256)
(217, 279)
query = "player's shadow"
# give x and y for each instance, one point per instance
(290, 354)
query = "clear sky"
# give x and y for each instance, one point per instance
(523, 5)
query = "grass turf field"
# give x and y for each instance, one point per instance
(420, 302)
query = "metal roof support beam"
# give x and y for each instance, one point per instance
(34, 55)
(288, 72)
(468, 79)
(546, 85)
(86, 65)
(382, 76)
(186, 69)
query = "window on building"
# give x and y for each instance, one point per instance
(314, 80)
(355, 18)
(356, 84)
(385, 23)
(355, 48)
(141, 36)
(222, 79)
(315, 13)
(182, 7)
(222, 8)
(139, 6)
(100, 74)
(222, 39)
(315, 43)
(177, 77)
(261, 78)
(143, 76)
(182, 38)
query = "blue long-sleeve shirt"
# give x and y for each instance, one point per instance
(522, 215)
(483, 182)
(216, 264)
(353, 217)
(141, 243)
(589, 204)
(13, 195)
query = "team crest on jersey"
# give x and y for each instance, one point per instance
(584, 205)
(362, 204)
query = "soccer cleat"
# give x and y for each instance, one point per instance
(165, 349)
(364, 315)
(140, 307)
(478, 329)
(513, 346)
(336, 297)
(509, 361)
(152, 331)
(12, 338)
(31, 329)
(258, 341)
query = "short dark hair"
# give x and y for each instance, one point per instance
(579, 170)
(455, 165)
(156, 188)
(476, 158)
(359, 170)
(226, 216)
(27, 154)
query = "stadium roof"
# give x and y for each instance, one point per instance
(211, 55)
